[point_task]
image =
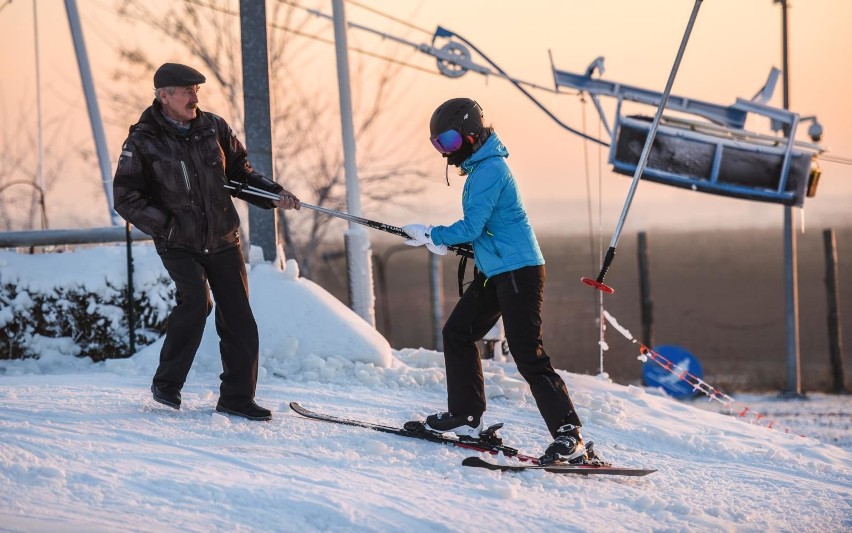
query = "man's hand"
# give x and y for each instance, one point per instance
(419, 234)
(288, 200)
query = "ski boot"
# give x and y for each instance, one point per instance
(567, 447)
(461, 426)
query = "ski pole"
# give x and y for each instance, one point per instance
(459, 249)
(640, 167)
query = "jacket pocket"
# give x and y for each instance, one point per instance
(489, 242)
(170, 181)
(171, 230)
(211, 151)
(215, 160)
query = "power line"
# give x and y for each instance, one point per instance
(500, 73)
(390, 17)
(312, 36)
(353, 48)
(835, 159)
(444, 57)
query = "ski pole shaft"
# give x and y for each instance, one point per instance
(459, 249)
(646, 150)
(643, 159)
(345, 216)
(464, 250)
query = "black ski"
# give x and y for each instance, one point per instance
(489, 441)
(582, 469)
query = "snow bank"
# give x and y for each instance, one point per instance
(297, 319)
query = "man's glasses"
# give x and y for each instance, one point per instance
(447, 142)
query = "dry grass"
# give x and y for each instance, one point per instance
(719, 295)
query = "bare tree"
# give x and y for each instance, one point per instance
(305, 124)
(21, 205)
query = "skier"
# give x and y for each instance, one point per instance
(508, 281)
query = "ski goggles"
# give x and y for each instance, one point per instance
(447, 142)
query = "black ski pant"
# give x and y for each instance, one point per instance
(517, 296)
(195, 275)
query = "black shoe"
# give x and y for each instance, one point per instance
(462, 426)
(249, 410)
(567, 447)
(166, 397)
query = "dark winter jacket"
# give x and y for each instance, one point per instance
(171, 185)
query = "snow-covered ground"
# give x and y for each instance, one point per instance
(84, 448)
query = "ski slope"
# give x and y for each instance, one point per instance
(84, 448)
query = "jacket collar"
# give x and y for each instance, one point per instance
(493, 147)
(153, 117)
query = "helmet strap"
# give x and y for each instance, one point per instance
(447, 173)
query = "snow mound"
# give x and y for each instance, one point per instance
(300, 319)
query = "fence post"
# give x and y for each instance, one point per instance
(131, 317)
(437, 292)
(647, 306)
(835, 340)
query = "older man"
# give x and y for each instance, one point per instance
(170, 183)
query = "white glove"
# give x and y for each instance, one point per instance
(419, 234)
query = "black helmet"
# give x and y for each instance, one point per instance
(461, 114)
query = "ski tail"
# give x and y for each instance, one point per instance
(414, 429)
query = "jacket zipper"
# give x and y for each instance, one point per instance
(185, 176)
(191, 200)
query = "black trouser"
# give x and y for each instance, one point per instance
(518, 296)
(225, 272)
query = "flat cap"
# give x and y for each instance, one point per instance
(177, 75)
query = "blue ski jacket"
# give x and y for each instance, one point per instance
(494, 220)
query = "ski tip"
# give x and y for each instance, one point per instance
(478, 462)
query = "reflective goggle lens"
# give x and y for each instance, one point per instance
(447, 142)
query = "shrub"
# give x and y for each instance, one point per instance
(87, 318)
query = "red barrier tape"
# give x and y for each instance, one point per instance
(714, 394)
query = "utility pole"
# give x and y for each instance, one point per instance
(258, 126)
(358, 252)
(791, 271)
(92, 103)
(40, 171)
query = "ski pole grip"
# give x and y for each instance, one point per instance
(610, 254)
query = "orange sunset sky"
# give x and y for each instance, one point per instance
(731, 50)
